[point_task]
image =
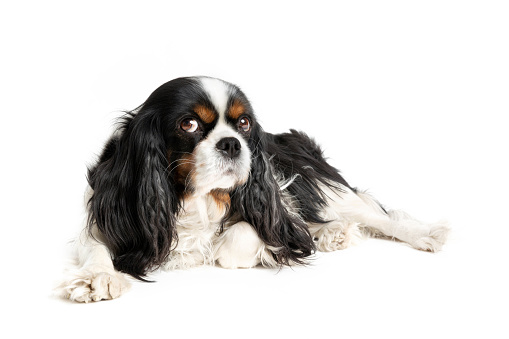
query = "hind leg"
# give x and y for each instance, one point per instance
(338, 234)
(364, 210)
(428, 237)
(335, 235)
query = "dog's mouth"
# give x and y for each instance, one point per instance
(231, 167)
(234, 171)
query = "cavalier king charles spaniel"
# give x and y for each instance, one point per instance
(190, 178)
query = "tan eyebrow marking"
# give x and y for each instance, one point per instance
(236, 110)
(206, 114)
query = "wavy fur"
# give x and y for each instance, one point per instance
(259, 202)
(134, 203)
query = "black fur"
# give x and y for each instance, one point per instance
(294, 154)
(134, 203)
(259, 203)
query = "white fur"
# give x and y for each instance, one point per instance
(218, 92)
(212, 169)
(95, 278)
(362, 210)
(238, 247)
(200, 243)
(197, 226)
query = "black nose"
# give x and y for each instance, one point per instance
(229, 146)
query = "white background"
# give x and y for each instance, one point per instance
(409, 99)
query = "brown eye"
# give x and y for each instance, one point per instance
(189, 125)
(244, 124)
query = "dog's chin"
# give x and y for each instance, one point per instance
(234, 170)
(225, 179)
(231, 177)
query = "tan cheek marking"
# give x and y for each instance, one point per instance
(185, 173)
(206, 114)
(236, 110)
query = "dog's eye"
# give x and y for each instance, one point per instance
(244, 124)
(189, 125)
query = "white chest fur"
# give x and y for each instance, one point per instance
(197, 229)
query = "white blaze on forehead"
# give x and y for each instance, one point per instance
(213, 170)
(218, 92)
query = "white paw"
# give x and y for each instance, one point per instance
(435, 239)
(86, 285)
(337, 236)
(239, 247)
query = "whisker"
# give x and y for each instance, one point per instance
(183, 163)
(184, 153)
(178, 161)
(186, 183)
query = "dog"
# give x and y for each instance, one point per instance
(190, 178)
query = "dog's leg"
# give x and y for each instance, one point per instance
(240, 247)
(95, 278)
(363, 209)
(337, 234)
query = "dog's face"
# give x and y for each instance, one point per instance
(207, 127)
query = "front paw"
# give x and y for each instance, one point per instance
(239, 247)
(87, 285)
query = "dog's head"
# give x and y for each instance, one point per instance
(192, 137)
(207, 125)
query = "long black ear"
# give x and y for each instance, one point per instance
(133, 202)
(259, 203)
